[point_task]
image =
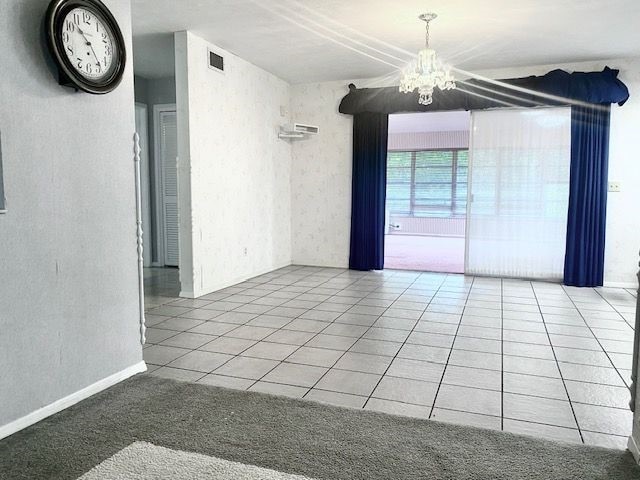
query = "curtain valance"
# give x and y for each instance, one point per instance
(556, 88)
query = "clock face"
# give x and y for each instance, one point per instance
(88, 43)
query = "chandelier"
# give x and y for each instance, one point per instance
(427, 71)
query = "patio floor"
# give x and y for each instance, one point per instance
(424, 253)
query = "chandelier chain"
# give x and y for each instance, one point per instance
(427, 33)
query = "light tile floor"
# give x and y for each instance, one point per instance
(161, 285)
(527, 357)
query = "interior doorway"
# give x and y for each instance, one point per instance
(156, 124)
(427, 178)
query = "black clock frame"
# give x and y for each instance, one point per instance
(68, 76)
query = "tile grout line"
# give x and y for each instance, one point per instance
(280, 362)
(633, 327)
(423, 361)
(341, 313)
(378, 340)
(625, 409)
(360, 338)
(238, 326)
(444, 371)
(355, 281)
(564, 383)
(596, 338)
(408, 335)
(267, 312)
(623, 319)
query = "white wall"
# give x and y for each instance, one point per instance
(321, 174)
(240, 187)
(68, 263)
(321, 177)
(623, 209)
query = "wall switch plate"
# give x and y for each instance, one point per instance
(614, 186)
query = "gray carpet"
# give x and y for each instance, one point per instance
(291, 436)
(145, 461)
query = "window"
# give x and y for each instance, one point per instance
(427, 183)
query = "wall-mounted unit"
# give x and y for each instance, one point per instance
(298, 130)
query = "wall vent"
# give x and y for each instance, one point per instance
(216, 62)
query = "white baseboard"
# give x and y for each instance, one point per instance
(633, 448)
(633, 285)
(303, 263)
(234, 281)
(69, 400)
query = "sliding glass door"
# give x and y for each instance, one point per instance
(518, 192)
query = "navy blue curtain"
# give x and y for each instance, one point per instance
(368, 195)
(584, 259)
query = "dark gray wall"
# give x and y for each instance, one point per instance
(69, 312)
(141, 88)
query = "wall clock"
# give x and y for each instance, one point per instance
(86, 44)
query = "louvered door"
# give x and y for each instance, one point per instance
(168, 163)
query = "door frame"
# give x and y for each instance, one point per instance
(158, 109)
(469, 194)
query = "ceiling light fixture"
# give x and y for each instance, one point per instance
(427, 71)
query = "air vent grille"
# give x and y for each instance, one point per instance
(216, 62)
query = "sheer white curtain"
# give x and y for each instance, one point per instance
(519, 192)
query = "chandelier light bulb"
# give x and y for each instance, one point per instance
(427, 71)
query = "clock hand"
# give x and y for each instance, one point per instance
(85, 34)
(90, 45)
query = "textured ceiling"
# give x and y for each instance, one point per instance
(316, 40)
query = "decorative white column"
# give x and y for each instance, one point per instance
(136, 160)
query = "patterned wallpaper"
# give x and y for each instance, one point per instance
(321, 177)
(240, 170)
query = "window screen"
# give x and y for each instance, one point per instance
(427, 183)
